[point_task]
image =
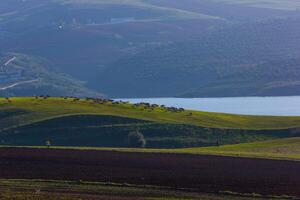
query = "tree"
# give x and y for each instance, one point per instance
(48, 143)
(136, 139)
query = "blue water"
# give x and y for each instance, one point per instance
(277, 106)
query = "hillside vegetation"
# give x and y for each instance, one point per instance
(25, 75)
(111, 131)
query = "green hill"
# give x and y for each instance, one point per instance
(41, 109)
(100, 123)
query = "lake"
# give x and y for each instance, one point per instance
(278, 106)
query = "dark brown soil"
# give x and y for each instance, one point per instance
(202, 173)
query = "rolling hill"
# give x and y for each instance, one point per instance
(171, 48)
(100, 123)
(57, 107)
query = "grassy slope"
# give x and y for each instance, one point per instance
(42, 109)
(275, 149)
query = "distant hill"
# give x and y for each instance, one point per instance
(23, 75)
(254, 59)
(153, 48)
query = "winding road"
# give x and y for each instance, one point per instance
(10, 60)
(17, 83)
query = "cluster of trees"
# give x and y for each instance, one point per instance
(43, 97)
(95, 100)
(8, 99)
(152, 106)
